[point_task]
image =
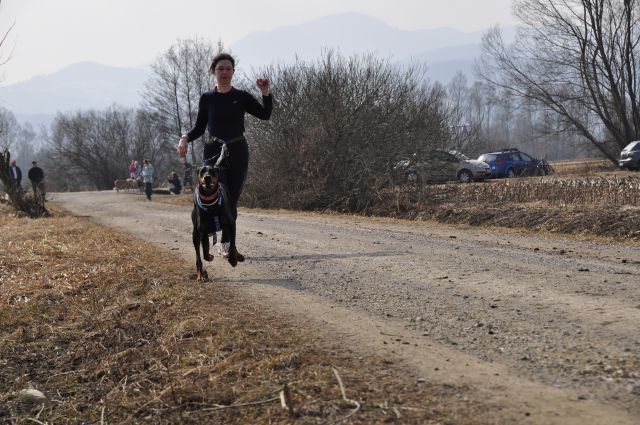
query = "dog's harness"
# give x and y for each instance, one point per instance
(206, 202)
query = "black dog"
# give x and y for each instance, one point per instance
(211, 212)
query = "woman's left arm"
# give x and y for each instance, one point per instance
(252, 106)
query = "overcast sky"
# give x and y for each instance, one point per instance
(51, 34)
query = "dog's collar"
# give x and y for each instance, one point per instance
(204, 202)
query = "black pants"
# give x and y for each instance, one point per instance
(148, 190)
(233, 172)
(37, 186)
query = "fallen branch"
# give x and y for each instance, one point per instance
(285, 400)
(344, 396)
(251, 403)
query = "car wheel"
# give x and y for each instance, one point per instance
(511, 173)
(465, 176)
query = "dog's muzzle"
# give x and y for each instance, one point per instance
(207, 180)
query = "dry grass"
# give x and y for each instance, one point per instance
(600, 206)
(610, 223)
(587, 167)
(603, 191)
(111, 330)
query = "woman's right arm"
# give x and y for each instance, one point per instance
(197, 130)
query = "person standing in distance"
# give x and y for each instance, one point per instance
(222, 112)
(147, 176)
(16, 174)
(36, 176)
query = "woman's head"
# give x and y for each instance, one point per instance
(222, 67)
(221, 57)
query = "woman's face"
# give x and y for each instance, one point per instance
(223, 71)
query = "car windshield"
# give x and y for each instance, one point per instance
(458, 155)
(487, 157)
(632, 147)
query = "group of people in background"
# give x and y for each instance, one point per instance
(35, 176)
(144, 175)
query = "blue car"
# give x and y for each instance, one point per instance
(513, 163)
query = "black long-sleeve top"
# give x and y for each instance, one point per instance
(223, 113)
(36, 174)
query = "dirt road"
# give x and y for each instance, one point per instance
(544, 330)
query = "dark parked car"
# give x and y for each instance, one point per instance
(513, 163)
(630, 156)
(442, 166)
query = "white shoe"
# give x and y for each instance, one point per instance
(223, 248)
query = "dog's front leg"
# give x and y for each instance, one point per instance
(204, 240)
(201, 275)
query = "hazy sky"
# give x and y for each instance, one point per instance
(50, 34)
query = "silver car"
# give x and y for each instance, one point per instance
(630, 156)
(442, 166)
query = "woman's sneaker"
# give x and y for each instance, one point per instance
(223, 248)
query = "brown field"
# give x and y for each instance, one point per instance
(111, 330)
(585, 167)
(598, 206)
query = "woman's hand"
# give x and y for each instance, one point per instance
(182, 146)
(263, 85)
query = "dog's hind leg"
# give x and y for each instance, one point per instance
(233, 256)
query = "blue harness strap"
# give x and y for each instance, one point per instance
(215, 200)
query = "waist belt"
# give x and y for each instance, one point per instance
(213, 139)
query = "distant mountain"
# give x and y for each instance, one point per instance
(84, 85)
(350, 33)
(444, 50)
(89, 85)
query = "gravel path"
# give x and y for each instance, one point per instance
(544, 328)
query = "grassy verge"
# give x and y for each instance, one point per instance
(112, 330)
(601, 209)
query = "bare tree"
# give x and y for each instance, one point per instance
(465, 117)
(4, 58)
(578, 58)
(92, 149)
(180, 76)
(9, 129)
(339, 127)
